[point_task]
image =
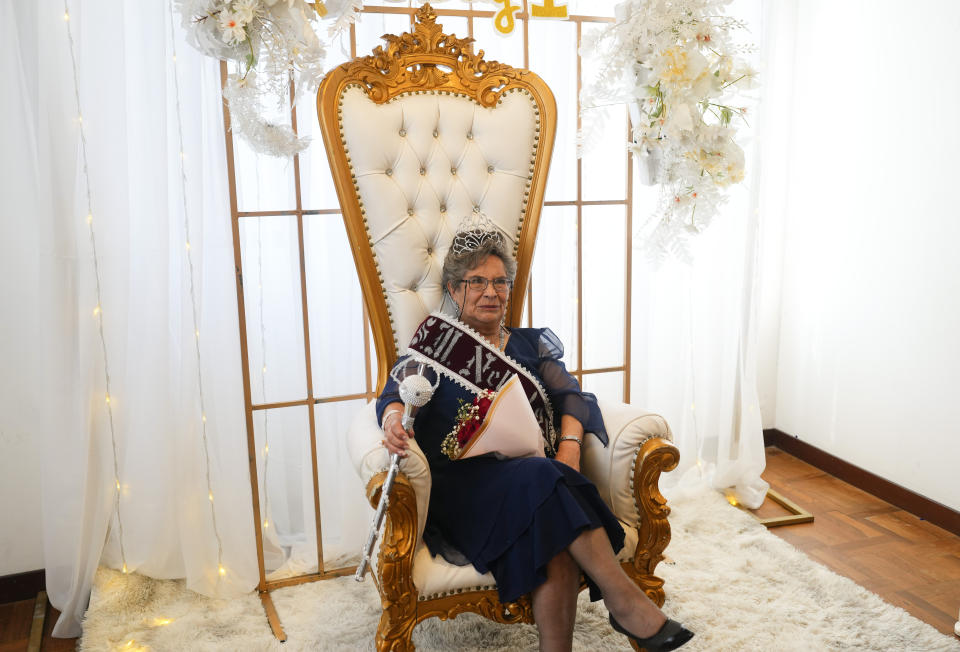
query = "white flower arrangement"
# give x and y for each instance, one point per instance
(676, 65)
(273, 41)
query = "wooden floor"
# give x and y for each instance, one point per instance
(903, 559)
(16, 619)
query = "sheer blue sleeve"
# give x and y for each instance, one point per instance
(564, 390)
(390, 393)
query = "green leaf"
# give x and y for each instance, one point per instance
(251, 61)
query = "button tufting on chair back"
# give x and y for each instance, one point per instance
(419, 135)
(421, 163)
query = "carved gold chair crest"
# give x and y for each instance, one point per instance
(420, 134)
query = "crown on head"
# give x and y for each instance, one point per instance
(474, 231)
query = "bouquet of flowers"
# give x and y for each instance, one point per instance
(675, 63)
(273, 42)
(500, 422)
(469, 418)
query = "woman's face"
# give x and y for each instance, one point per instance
(482, 309)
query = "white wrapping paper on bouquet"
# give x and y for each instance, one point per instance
(509, 428)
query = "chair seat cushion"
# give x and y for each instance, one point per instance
(435, 577)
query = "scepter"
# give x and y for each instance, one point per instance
(415, 391)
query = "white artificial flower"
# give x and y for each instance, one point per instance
(746, 78)
(714, 136)
(733, 162)
(680, 120)
(677, 63)
(309, 36)
(247, 80)
(245, 10)
(271, 40)
(680, 66)
(232, 28)
(688, 32)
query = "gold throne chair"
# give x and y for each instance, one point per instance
(418, 135)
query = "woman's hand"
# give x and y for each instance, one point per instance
(568, 452)
(394, 436)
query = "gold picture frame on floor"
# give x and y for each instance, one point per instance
(796, 516)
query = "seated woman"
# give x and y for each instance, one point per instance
(534, 522)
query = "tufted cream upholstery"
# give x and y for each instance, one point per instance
(424, 161)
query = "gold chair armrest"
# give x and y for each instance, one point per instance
(654, 457)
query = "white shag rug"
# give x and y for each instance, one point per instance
(728, 579)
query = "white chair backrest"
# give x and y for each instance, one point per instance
(415, 149)
(422, 163)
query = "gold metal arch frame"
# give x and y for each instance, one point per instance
(264, 586)
(426, 59)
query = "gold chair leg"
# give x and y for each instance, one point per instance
(398, 595)
(396, 636)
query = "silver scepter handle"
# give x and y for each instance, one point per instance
(415, 391)
(377, 522)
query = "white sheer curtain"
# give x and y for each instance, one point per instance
(155, 449)
(695, 327)
(129, 115)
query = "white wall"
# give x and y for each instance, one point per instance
(21, 546)
(868, 365)
(20, 537)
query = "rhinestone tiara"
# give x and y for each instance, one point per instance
(474, 231)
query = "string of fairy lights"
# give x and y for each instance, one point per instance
(98, 308)
(263, 366)
(98, 311)
(221, 571)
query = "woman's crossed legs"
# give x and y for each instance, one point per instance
(555, 601)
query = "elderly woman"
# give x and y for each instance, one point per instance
(534, 522)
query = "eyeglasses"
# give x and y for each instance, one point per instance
(479, 284)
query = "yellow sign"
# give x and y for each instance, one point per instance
(505, 19)
(548, 10)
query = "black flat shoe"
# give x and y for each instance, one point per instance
(671, 636)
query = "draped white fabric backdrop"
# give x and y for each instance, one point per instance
(695, 325)
(694, 337)
(126, 93)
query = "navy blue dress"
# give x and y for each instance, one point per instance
(510, 516)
